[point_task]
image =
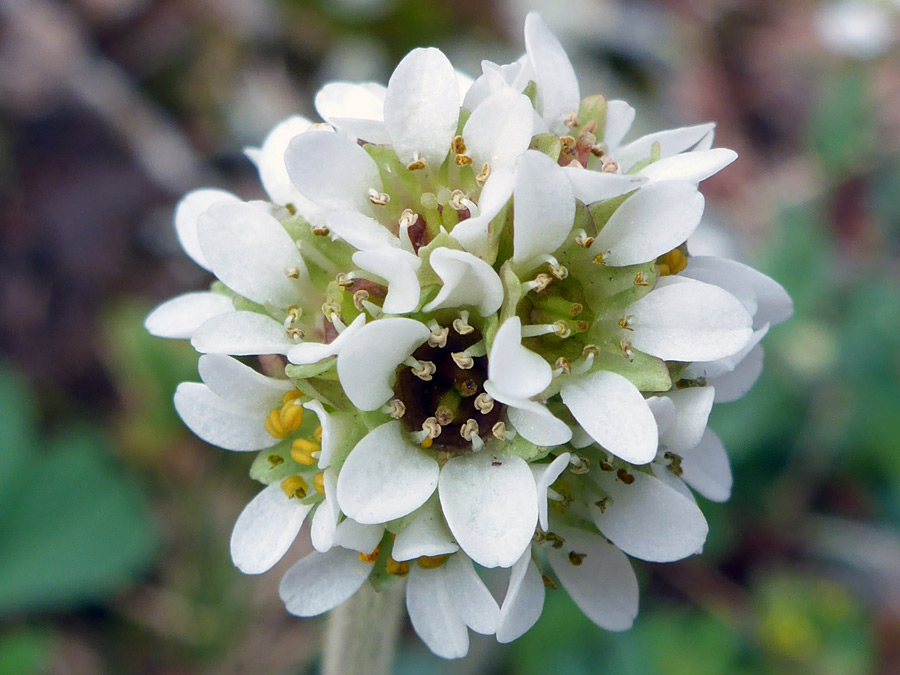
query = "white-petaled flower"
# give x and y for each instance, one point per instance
(497, 349)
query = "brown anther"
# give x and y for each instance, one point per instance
(343, 280)
(458, 145)
(600, 259)
(463, 360)
(456, 200)
(291, 209)
(443, 415)
(462, 327)
(639, 279)
(438, 337)
(425, 370)
(584, 242)
(417, 165)
(562, 363)
(408, 218)
(319, 230)
(567, 142)
(292, 272)
(624, 324)
(370, 557)
(607, 165)
(398, 408)
(576, 164)
(582, 467)
(498, 431)
(624, 476)
(469, 429)
(597, 150)
(559, 271)
(484, 403)
(359, 297)
(571, 120)
(295, 333)
(601, 504)
(541, 282)
(606, 466)
(549, 584)
(431, 426)
(378, 198)
(674, 463)
(627, 349)
(562, 329)
(463, 160)
(577, 558)
(482, 177)
(275, 460)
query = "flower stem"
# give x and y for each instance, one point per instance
(362, 633)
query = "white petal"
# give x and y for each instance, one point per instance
(325, 519)
(241, 334)
(356, 537)
(421, 108)
(499, 129)
(181, 316)
(650, 520)
(474, 233)
(596, 186)
(322, 581)
(335, 431)
(426, 534)
(370, 131)
(188, 210)
(468, 281)
(733, 385)
(653, 221)
(692, 167)
(619, 118)
(671, 142)
(544, 475)
(544, 207)
(472, 599)
(764, 297)
(557, 86)
(239, 383)
(463, 82)
(613, 411)
(220, 422)
(706, 468)
(663, 412)
(513, 369)
(347, 99)
(688, 320)
(432, 613)
(251, 252)
(603, 585)
(385, 477)
(532, 419)
(713, 369)
(367, 362)
(313, 352)
(269, 159)
(661, 471)
(360, 231)
(524, 600)
(331, 170)
(266, 529)
(692, 408)
(398, 268)
(488, 501)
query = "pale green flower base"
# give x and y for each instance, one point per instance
(362, 633)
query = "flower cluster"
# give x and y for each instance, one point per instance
(492, 348)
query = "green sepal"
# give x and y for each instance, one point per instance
(531, 92)
(426, 274)
(378, 577)
(274, 464)
(601, 211)
(593, 109)
(242, 304)
(307, 371)
(618, 282)
(549, 144)
(464, 115)
(647, 373)
(527, 450)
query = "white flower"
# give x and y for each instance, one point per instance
(485, 298)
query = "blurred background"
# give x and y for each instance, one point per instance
(114, 519)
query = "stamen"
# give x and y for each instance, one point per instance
(577, 558)
(562, 366)
(319, 230)
(501, 433)
(484, 403)
(374, 310)
(370, 558)
(539, 284)
(432, 428)
(469, 429)
(579, 465)
(431, 562)
(627, 348)
(625, 324)
(292, 272)
(319, 482)
(639, 279)
(424, 370)
(567, 142)
(549, 584)
(600, 259)
(395, 408)
(458, 145)
(274, 426)
(295, 334)
(624, 476)
(461, 325)
(302, 451)
(477, 443)
(463, 160)
(582, 239)
(317, 434)
(295, 487)
(462, 360)
(607, 165)
(583, 365)
(378, 198)
(293, 316)
(345, 279)
(482, 177)
(456, 200)
(359, 297)
(416, 165)
(438, 337)
(291, 415)
(408, 218)
(397, 569)
(571, 120)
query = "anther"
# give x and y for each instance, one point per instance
(302, 451)
(378, 198)
(424, 370)
(624, 476)
(625, 324)
(549, 584)
(293, 316)
(575, 163)
(438, 337)
(295, 334)
(597, 150)
(576, 558)
(626, 348)
(559, 271)
(484, 403)
(539, 284)
(463, 360)
(408, 218)
(579, 465)
(567, 142)
(582, 239)
(571, 120)
(461, 325)
(430, 562)
(294, 487)
(599, 259)
(319, 230)
(639, 279)
(416, 165)
(395, 408)
(482, 177)
(500, 432)
(562, 329)
(291, 416)
(469, 429)
(344, 279)
(395, 568)
(359, 297)
(562, 366)
(607, 165)
(292, 272)
(370, 558)
(463, 160)
(319, 482)
(431, 428)
(458, 200)
(458, 145)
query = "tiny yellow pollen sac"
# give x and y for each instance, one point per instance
(295, 487)
(370, 557)
(430, 562)
(427, 442)
(274, 425)
(319, 482)
(398, 569)
(675, 261)
(302, 449)
(291, 416)
(317, 434)
(463, 160)
(291, 396)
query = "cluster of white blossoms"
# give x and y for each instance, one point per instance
(493, 348)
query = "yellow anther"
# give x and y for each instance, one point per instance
(600, 259)
(291, 416)
(319, 230)
(319, 482)
(567, 142)
(664, 270)
(274, 426)
(291, 396)
(482, 177)
(430, 562)
(548, 583)
(275, 460)
(674, 261)
(302, 449)
(458, 145)
(370, 557)
(398, 569)
(639, 279)
(427, 442)
(317, 434)
(463, 160)
(416, 166)
(295, 487)
(625, 324)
